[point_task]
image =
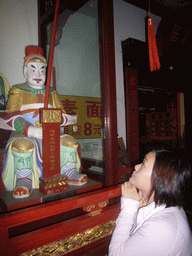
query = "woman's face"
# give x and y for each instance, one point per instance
(141, 177)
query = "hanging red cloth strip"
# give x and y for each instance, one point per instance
(152, 44)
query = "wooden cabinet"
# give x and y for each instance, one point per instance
(82, 223)
(79, 225)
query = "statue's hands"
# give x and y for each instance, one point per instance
(130, 191)
(36, 132)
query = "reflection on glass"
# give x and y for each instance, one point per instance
(77, 65)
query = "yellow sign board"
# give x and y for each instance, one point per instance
(88, 112)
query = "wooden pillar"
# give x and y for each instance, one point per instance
(107, 56)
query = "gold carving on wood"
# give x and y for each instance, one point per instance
(90, 207)
(57, 184)
(102, 204)
(51, 116)
(95, 208)
(74, 242)
(95, 212)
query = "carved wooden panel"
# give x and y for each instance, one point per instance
(132, 114)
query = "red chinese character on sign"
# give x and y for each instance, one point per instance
(77, 132)
(93, 109)
(87, 129)
(69, 106)
(132, 82)
(97, 129)
(175, 33)
(66, 130)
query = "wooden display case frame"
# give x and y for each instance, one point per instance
(37, 225)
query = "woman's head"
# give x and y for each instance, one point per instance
(170, 177)
(162, 177)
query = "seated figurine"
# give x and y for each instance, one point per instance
(23, 161)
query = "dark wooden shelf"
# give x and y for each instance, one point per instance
(8, 203)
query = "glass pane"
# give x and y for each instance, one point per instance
(77, 66)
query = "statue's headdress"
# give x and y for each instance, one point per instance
(34, 54)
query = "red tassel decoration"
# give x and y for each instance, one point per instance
(153, 51)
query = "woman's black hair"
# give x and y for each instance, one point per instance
(170, 178)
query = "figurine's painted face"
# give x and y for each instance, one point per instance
(35, 73)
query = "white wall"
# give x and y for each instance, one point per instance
(19, 28)
(129, 21)
(76, 58)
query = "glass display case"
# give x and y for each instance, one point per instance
(84, 76)
(78, 79)
(84, 67)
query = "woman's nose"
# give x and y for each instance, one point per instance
(137, 166)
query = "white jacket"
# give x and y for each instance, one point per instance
(151, 230)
